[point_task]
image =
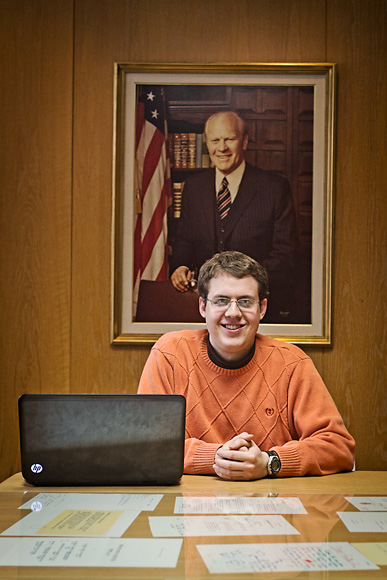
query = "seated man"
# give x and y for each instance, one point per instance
(255, 406)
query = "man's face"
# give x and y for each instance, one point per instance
(232, 332)
(225, 143)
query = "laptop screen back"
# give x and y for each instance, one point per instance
(102, 439)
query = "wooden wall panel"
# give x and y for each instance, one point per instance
(56, 268)
(103, 33)
(35, 214)
(356, 366)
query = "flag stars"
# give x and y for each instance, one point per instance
(150, 96)
(155, 114)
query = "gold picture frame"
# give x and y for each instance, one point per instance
(304, 93)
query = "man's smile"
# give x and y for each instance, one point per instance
(233, 326)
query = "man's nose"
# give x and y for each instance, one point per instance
(233, 309)
(222, 144)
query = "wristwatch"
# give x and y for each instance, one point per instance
(274, 464)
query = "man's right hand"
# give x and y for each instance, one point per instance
(181, 278)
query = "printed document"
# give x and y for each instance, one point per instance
(57, 522)
(94, 501)
(180, 526)
(374, 551)
(364, 521)
(239, 505)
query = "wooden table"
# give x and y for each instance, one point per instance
(321, 496)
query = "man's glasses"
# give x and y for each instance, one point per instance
(223, 303)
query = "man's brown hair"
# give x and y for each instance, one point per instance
(236, 264)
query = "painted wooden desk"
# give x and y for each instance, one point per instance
(321, 496)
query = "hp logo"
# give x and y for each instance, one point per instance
(36, 468)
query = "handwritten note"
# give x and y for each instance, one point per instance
(369, 503)
(292, 557)
(99, 552)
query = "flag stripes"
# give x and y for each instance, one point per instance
(153, 188)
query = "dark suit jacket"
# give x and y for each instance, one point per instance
(261, 222)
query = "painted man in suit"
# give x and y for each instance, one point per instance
(256, 213)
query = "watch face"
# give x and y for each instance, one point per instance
(274, 464)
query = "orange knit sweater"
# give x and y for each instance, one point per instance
(278, 396)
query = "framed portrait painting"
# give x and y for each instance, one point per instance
(164, 192)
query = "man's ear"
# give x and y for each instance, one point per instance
(263, 308)
(202, 307)
(245, 142)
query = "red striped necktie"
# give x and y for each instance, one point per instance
(224, 199)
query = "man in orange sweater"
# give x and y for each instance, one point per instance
(255, 406)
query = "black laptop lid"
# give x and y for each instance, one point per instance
(102, 439)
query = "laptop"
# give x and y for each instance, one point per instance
(102, 439)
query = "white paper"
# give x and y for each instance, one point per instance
(101, 501)
(239, 505)
(292, 557)
(369, 503)
(91, 552)
(35, 521)
(364, 521)
(180, 526)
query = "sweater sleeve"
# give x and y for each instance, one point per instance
(158, 377)
(320, 444)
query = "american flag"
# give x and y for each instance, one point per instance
(153, 187)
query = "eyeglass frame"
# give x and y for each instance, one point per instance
(225, 308)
